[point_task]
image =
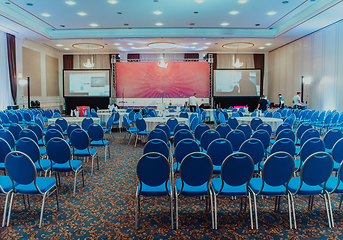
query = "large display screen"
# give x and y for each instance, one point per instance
(237, 82)
(86, 83)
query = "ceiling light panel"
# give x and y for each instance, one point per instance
(157, 12)
(70, 2)
(82, 13)
(46, 15)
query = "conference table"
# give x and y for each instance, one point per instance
(152, 122)
(73, 120)
(273, 122)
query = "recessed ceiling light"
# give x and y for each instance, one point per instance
(59, 45)
(261, 47)
(271, 13)
(159, 24)
(82, 13)
(112, 1)
(117, 44)
(268, 44)
(208, 43)
(93, 25)
(66, 48)
(70, 2)
(224, 24)
(130, 44)
(233, 12)
(199, 1)
(45, 14)
(195, 43)
(157, 12)
(242, 1)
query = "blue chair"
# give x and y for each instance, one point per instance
(115, 121)
(282, 127)
(108, 127)
(4, 119)
(63, 124)
(265, 126)
(300, 131)
(194, 124)
(182, 134)
(38, 131)
(207, 137)
(130, 130)
(283, 145)
(195, 175)
(330, 138)
(15, 129)
(290, 120)
(246, 129)
(6, 188)
(52, 133)
(182, 149)
(81, 142)
(56, 115)
(141, 126)
(310, 147)
(55, 126)
(86, 122)
(232, 121)
(131, 117)
(218, 150)
(154, 180)
(236, 171)
(31, 134)
(286, 133)
(314, 174)
(308, 134)
(8, 137)
(337, 154)
(138, 115)
(199, 130)
(157, 146)
(263, 136)
(269, 114)
(183, 115)
(255, 122)
(21, 169)
(158, 133)
(255, 149)
(276, 115)
(59, 153)
(96, 134)
(223, 130)
(5, 148)
(235, 114)
(236, 138)
(172, 123)
(180, 126)
(222, 119)
(165, 128)
(276, 174)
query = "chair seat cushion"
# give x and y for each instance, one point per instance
(227, 189)
(145, 132)
(43, 183)
(2, 166)
(99, 143)
(329, 151)
(216, 169)
(42, 151)
(41, 143)
(84, 152)
(191, 190)
(6, 183)
(336, 166)
(294, 185)
(154, 191)
(46, 164)
(65, 167)
(297, 164)
(256, 184)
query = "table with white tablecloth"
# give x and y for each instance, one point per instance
(273, 122)
(105, 116)
(73, 120)
(152, 122)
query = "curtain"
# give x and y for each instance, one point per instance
(101, 61)
(259, 63)
(192, 56)
(68, 62)
(224, 61)
(5, 90)
(247, 60)
(12, 66)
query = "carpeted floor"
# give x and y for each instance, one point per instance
(104, 209)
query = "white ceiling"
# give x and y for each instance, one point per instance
(291, 21)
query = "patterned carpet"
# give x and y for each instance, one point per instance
(104, 209)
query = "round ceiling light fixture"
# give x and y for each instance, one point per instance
(88, 46)
(237, 45)
(162, 45)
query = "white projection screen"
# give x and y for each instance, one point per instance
(86, 83)
(237, 82)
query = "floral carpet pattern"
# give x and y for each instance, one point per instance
(104, 209)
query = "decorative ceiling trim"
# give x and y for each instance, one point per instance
(88, 46)
(172, 45)
(235, 45)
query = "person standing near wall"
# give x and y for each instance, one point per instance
(281, 101)
(262, 104)
(296, 101)
(193, 102)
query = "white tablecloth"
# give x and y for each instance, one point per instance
(152, 122)
(273, 122)
(105, 116)
(73, 120)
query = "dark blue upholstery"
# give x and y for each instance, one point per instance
(255, 122)
(218, 150)
(236, 138)
(223, 129)
(199, 130)
(246, 129)
(207, 137)
(158, 146)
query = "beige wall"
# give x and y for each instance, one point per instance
(52, 86)
(318, 56)
(32, 69)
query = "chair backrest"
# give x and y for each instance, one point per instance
(321, 116)
(194, 123)
(290, 120)
(311, 146)
(196, 169)
(36, 129)
(158, 133)
(328, 118)
(221, 118)
(95, 132)
(236, 138)
(266, 127)
(116, 117)
(207, 137)
(126, 122)
(79, 139)
(13, 118)
(15, 129)
(132, 116)
(153, 170)
(62, 123)
(301, 129)
(278, 169)
(184, 115)
(286, 133)
(185, 147)
(284, 112)
(276, 115)
(156, 145)
(282, 127)
(172, 123)
(314, 116)
(237, 169)
(232, 121)
(269, 114)
(165, 128)
(331, 137)
(223, 129)
(192, 116)
(263, 136)
(27, 117)
(52, 133)
(180, 126)
(5, 148)
(58, 150)
(334, 118)
(235, 114)
(218, 150)
(29, 147)
(337, 151)
(55, 126)
(283, 145)
(138, 115)
(140, 124)
(200, 129)
(203, 116)
(71, 128)
(317, 169)
(39, 122)
(86, 122)
(254, 148)
(56, 115)
(246, 129)
(182, 134)
(29, 134)
(8, 137)
(255, 122)
(308, 134)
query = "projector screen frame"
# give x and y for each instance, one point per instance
(237, 69)
(109, 80)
